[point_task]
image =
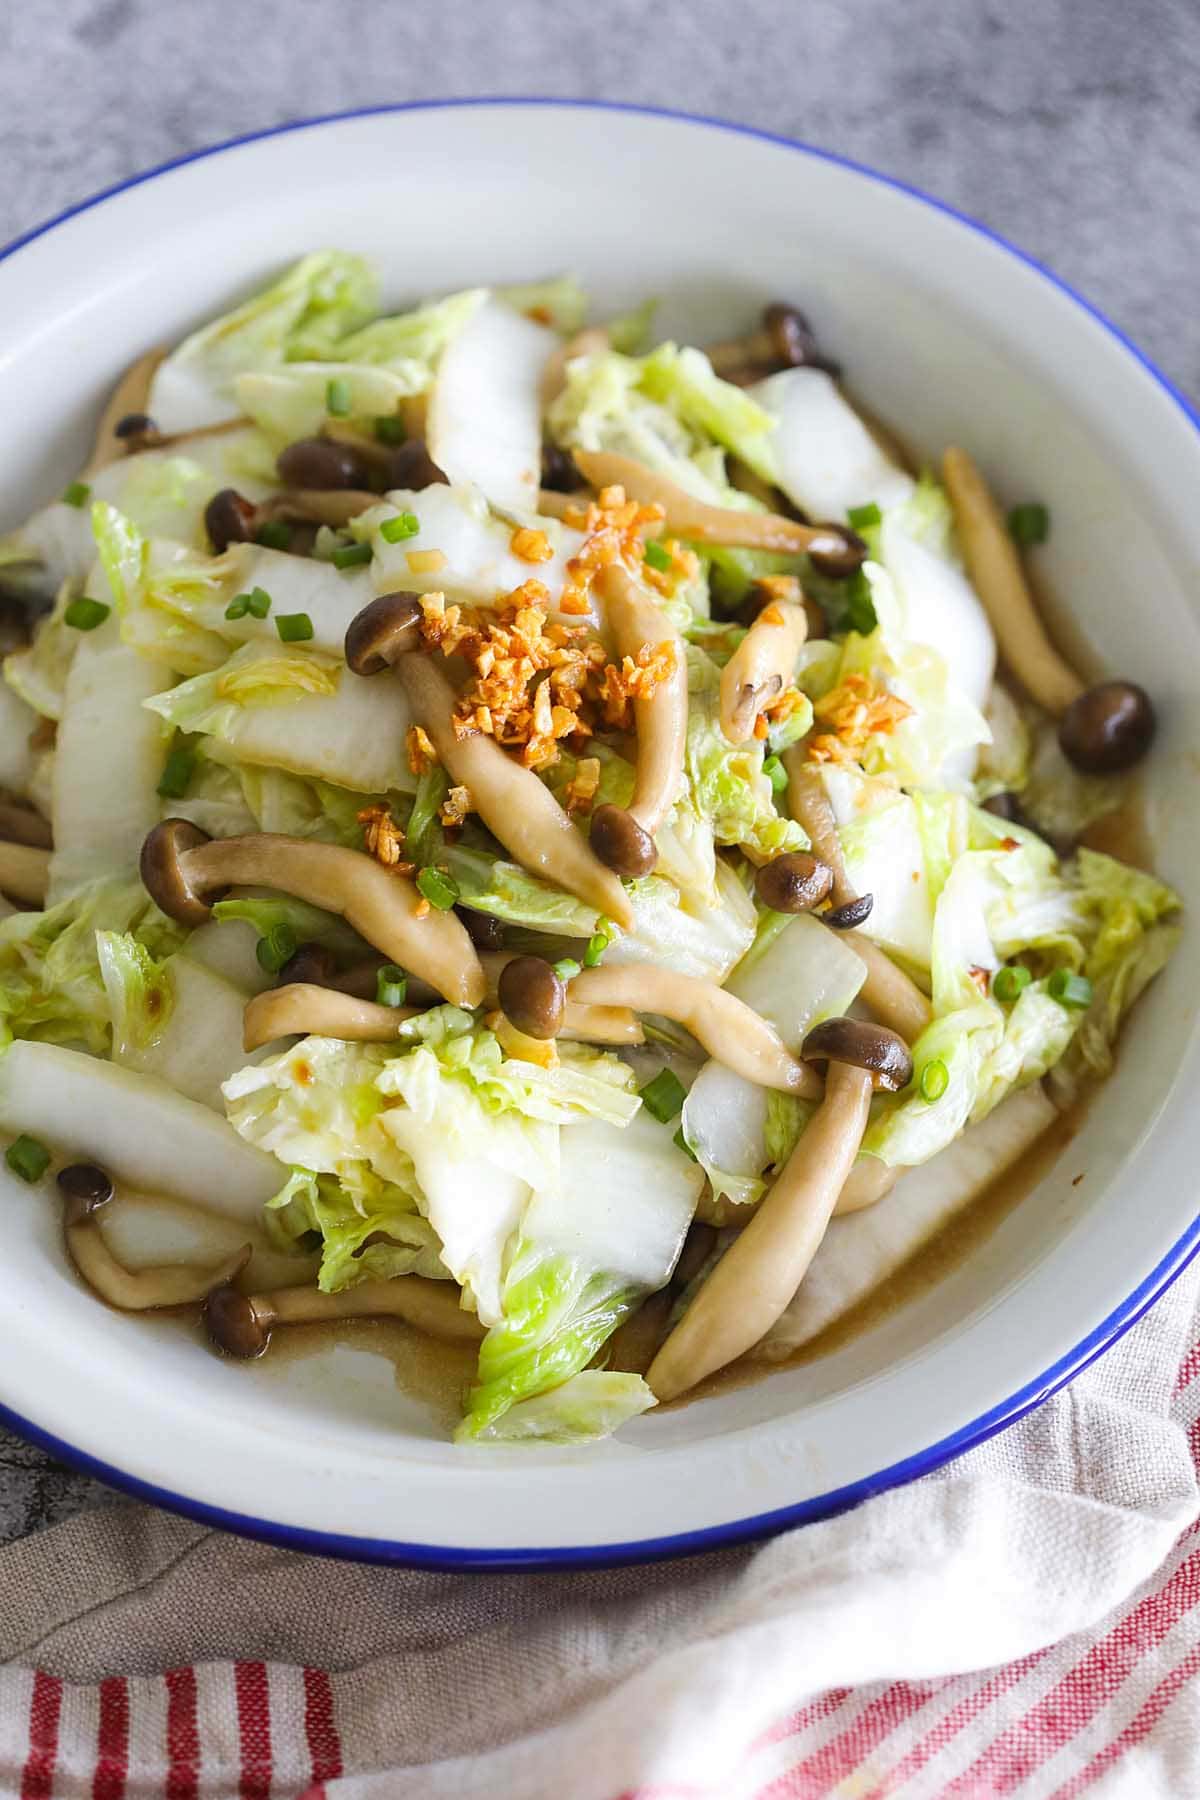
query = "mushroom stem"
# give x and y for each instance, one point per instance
(729, 1030)
(139, 1290)
(661, 721)
(24, 873)
(757, 1277)
(761, 667)
(995, 569)
(129, 396)
(868, 1182)
(22, 825)
(693, 519)
(515, 806)
(304, 1010)
(385, 908)
(892, 996)
(241, 1324)
(317, 506)
(431, 1306)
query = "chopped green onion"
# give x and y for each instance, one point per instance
(257, 603)
(1068, 989)
(597, 944)
(860, 608)
(293, 628)
(84, 614)
(861, 518)
(775, 773)
(77, 494)
(177, 773)
(567, 968)
(404, 525)
(274, 534)
(1008, 982)
(389, 429)
(681, 1142)
(440, 890)
(663, 1097)
(278, 946)
(325, 543)
(350, 556)
(27, 1158)
(935, 1079)
(657, 555)
(391, 985)
(1029, 524)
(338, 398)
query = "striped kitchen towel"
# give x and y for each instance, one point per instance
(1026, 1623)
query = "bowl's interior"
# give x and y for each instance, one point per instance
(945, 335)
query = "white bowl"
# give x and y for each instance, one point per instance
(950, 334)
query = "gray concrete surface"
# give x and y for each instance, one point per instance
(1072, 126)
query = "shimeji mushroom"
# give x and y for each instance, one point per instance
(700, 523)
(241, 1324)
(182, 867)
(758, 1275)
(623, 837)
(229, 518)
(1101, 729)
(784, 340)
(725, 1026)
(302, 1009)
(892, 996)
(85, 1189)
(761, 667)
(126, 402)
(586, 1023)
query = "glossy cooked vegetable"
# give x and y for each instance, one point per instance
(491, 803)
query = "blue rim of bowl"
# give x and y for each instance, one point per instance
(802, 1512)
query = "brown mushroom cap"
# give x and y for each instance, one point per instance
(533, 995)
(229, 518)
(410, 466)
(162, 874)
(84, 1187)
(1108, 728)
(794, 340)
(382, 631)
(232, 1323)
(317, 462)
(882, 1053)
(851, 913)
(621, 842)
(793, 883)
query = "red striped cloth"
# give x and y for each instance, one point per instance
(1113, 1711)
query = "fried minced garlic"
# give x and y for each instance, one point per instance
(535, 681)
(420, 751)
(530, 545)
(857, 709)
(455, 807)
(614, 529)
(383, 838)
(636, 679)
(583, 786)
(685, 566)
